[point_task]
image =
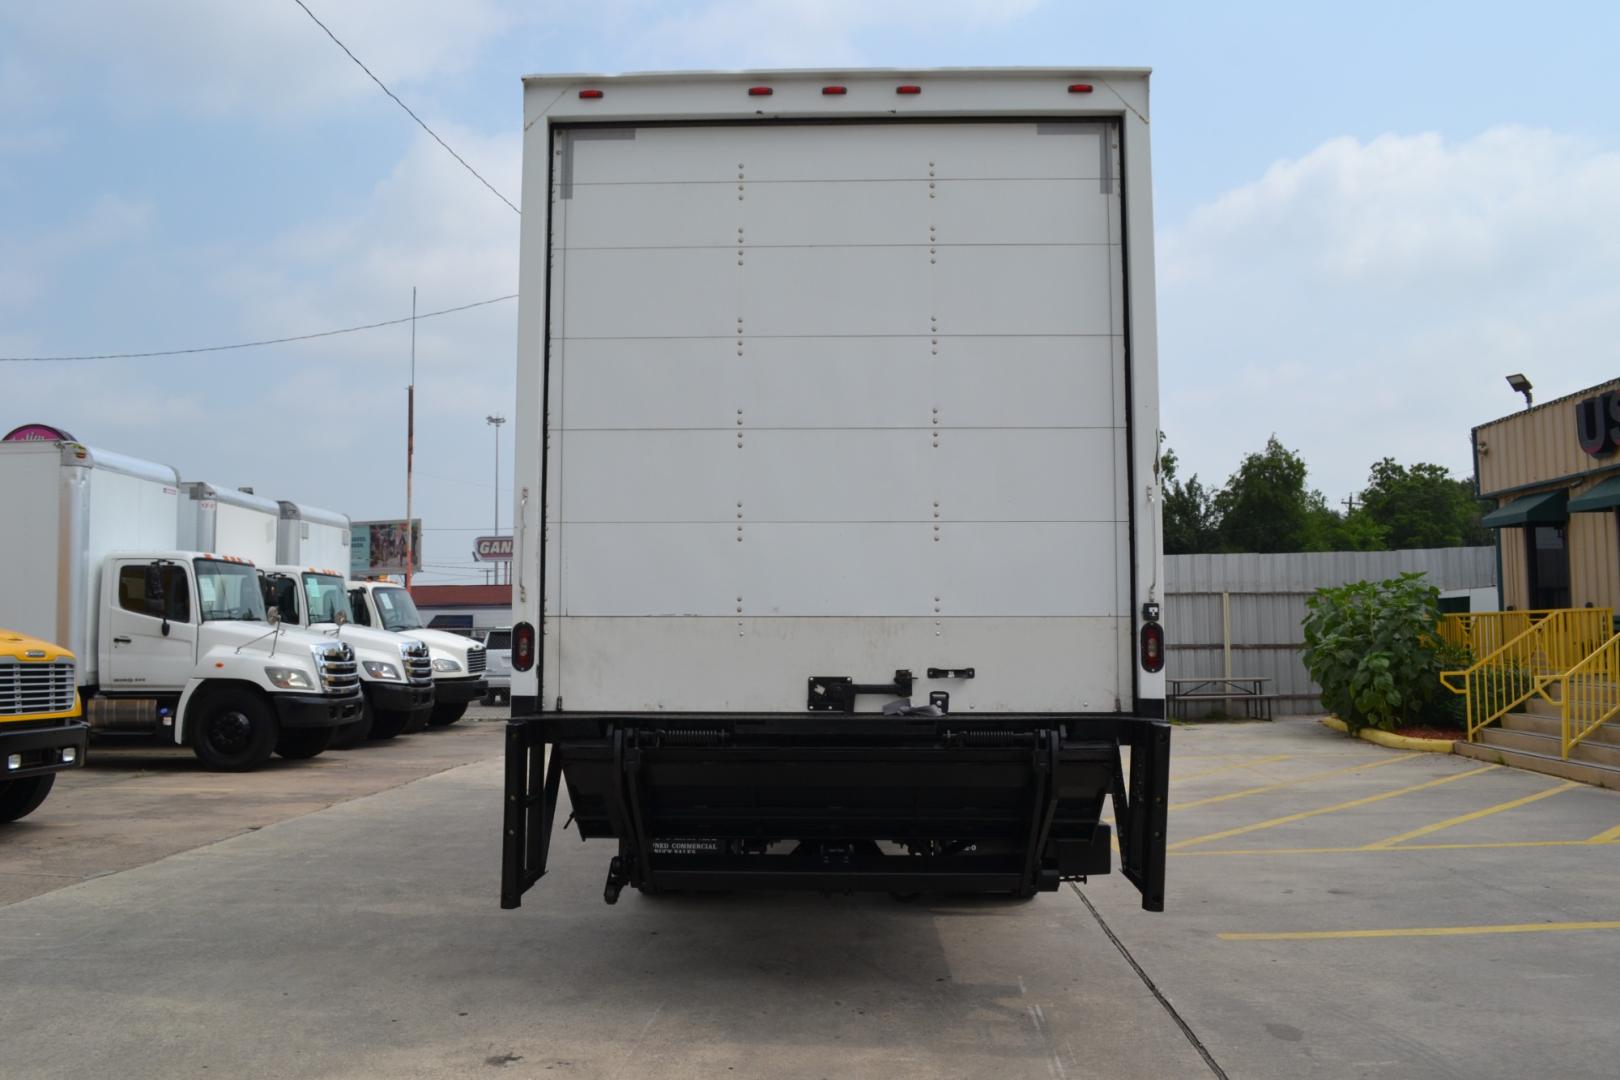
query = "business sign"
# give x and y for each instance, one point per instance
(378, 547)
(1597, 423)
(37, 433)
(493, 549)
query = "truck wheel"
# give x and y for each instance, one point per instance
(19, 798)
(295, 744)
(385, 724)
(352, 735)
(234, 731)
(445, 714)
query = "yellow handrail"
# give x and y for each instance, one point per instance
(1509, 675)
(1588, 693)
(1483, 632)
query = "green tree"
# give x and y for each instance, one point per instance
(1422, 506)
(1190, 527)
(1265, 505)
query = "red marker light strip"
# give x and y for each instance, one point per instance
(908, 89)
(590, 95)
(1080, 88)
(759, 91)
(834, 91)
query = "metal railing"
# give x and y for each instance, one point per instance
(1483, 632)
(1551, 646)
(1588, 693)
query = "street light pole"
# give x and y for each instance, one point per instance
(496, 422)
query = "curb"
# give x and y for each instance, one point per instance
(1390, 739)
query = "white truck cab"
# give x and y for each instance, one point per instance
(396, 672)
(172, 642)
(458, 662)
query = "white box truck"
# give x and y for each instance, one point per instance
(396, 671)
(171, 642)
(309, 536)
(228, 521)
(458, 662)
(837, 559)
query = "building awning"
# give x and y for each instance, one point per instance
(1542, 508)
(1606, 496)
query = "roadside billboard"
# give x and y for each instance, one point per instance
(378, 547)
(493, 549)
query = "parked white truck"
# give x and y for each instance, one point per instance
(458, 662)
(837, 559)
(171, 643)
(396, 671)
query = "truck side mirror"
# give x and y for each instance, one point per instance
(154, 595)
(340, 617)
(273, 615)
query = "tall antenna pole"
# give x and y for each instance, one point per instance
(410, 446)
(496, 422)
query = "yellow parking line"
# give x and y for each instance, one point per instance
(1351, 805)
(1290, 783)
(1512, 804)
(1234, 766)
(1606, 836)
(1419, 931)
(1402, 848)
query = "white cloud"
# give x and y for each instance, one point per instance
(31, 263)
(1366, 299)
(209, 57)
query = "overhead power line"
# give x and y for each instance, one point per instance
(420, 122)
(255, 344)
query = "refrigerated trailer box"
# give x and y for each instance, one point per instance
(309, 536)
(837, 561)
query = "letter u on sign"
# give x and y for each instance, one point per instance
(1597, 423)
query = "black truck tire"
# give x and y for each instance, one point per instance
(233, 731)
(19, 798)
(387, 723)
(446, 713)
(355, 734)
(296, 744)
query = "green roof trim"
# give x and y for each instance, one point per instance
(1605, 496)
(1542, 508)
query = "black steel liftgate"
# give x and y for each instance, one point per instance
(906, 804)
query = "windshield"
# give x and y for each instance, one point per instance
(228, 590)
(396, 609)
(325, 596)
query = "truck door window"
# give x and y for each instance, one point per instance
(280, 593)
(133, 595)
(357, 607)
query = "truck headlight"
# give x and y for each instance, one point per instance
(379, 670)
(288, 678)
(446, 665)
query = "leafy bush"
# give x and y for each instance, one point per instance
(1373, 648)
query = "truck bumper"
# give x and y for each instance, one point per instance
(398, 697)
(317, 710)
(980, 803)
(42, 746)
(459, 691)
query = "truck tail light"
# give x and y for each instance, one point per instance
(522, 646)
(1152, 647)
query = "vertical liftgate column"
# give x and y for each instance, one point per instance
(1143, 817)
(533, 781)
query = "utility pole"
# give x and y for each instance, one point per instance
(496, 422)
(410, 446)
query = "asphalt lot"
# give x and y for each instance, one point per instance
(1335, 909)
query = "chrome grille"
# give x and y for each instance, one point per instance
(418, 663)
(476, 661)
(35, 688)
(339, 673)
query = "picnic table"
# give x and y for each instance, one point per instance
(1249, 689)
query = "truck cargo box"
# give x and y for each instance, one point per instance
(838, 553)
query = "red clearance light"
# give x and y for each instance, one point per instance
(831, 91)
(759, 91)
(1080, 88)
(1152, 647)
(523, 646)
(590, 95)
(908, 89)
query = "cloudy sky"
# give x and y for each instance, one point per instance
(1366, 216)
